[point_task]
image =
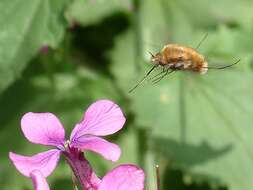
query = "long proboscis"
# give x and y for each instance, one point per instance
(143, 79)
(225, 66)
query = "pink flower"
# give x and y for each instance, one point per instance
(102, 118)
(39, 181)
(123, 177)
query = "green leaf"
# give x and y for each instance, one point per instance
(86, 12)
(25, 28)
(201, 123)
(204, 13)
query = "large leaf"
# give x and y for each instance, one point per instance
(25, 28)
(200, 123)
(86, 12)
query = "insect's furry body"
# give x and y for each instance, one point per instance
(177, 57)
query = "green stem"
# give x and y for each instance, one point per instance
(142, 136)
(182, 109)
(138, 36)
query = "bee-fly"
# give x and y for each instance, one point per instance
(174, 57)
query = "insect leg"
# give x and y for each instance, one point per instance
(223, 67)
(143, 79)
(155, 80)
(161, 77)
(157, 74)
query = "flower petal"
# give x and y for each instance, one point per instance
(39, 181)
(43, 128)
(44, 161)
(109, 150)
(103, 117)
(123, 177)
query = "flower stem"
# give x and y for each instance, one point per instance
(81, 169)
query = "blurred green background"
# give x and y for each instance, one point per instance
(61, 55)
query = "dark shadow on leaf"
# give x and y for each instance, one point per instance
(177, 179)
(95, 40)
(186, 155)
